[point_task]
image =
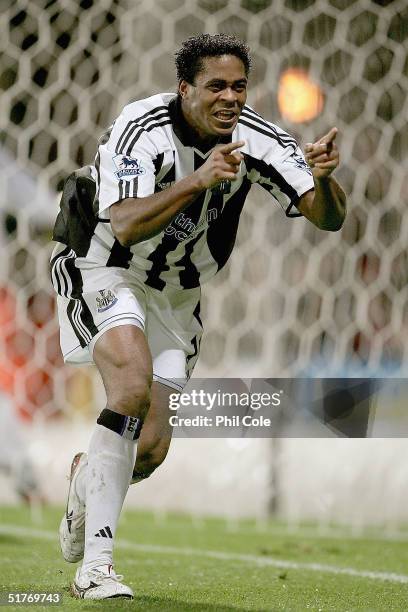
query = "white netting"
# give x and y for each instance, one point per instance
(292, 297)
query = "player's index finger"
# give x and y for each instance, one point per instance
(231, 146)
(330, 136)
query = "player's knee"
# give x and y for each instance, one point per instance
(131, 398)
(126, 370)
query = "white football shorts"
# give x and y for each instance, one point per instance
(91, 301)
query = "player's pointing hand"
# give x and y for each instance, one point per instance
(323, 155)
(222, 165)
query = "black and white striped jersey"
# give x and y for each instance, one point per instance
(148, 148)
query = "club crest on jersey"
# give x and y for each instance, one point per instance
(127, 167)
(299, 162)
(106, 300)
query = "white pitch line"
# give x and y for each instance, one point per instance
(328, 534)
(18, 531)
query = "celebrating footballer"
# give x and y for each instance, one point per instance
(138, 233)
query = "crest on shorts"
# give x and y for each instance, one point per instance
(127, 167)
(106, 300)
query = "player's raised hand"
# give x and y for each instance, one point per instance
(222, 165)
(323, 155)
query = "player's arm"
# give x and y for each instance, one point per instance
(136, 219)
(325, 205)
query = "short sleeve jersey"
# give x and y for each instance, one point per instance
(150, 147)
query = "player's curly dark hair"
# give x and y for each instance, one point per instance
(189, 57)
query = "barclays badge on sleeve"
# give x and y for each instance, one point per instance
(127, 167)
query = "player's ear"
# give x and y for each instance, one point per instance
(183, 88)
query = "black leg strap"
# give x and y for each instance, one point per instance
(126, 426)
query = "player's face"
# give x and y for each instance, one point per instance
(213, 104)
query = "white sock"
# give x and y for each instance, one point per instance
(111, 459)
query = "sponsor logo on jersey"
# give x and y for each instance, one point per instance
(127, 167)
(299, 162)
(106, 300)
(182, 227)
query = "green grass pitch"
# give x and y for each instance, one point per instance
(175, 565)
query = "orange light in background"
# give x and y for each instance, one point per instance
(299, 98)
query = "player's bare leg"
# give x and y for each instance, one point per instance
(152, 449)
(123, 359)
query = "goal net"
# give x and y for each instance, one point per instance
(293, 300)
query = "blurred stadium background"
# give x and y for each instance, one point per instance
(293, 300)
